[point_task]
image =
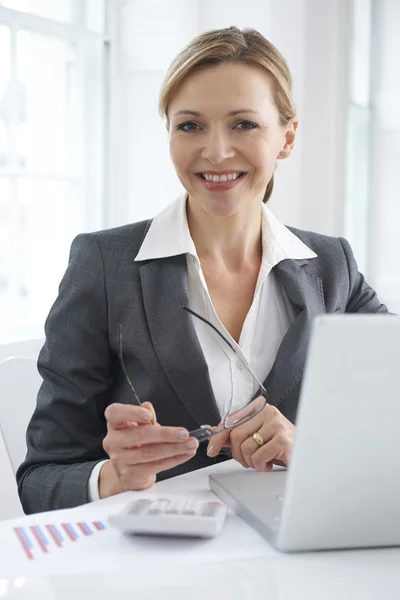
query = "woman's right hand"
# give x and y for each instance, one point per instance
(139, 448)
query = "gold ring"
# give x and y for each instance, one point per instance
(259, 440)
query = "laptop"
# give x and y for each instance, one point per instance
(342, 488)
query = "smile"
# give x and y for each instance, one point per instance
(221, 178)
(224, 181)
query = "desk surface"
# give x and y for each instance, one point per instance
(360, 574)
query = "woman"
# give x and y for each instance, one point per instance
(123, 307)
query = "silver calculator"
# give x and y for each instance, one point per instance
(171, 516)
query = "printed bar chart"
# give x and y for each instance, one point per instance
(44, 539)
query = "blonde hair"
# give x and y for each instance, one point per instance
(232, 44)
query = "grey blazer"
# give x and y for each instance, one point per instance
(104, 287)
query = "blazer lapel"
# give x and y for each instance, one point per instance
(305, 292)
(164, 288)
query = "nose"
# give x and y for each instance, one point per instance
(217, 147)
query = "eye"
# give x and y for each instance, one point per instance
(188, 126)
(246, 125)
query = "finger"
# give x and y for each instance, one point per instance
(147, 406)
(145, 434)
(170, 463)
(218, 441)
(137, 477)
(265, 466)
(155, 452)
(118, 414)
(276, 449)
(249, 446)
(241, 433)
(150, 407)
(267, 421)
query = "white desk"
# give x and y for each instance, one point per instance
(361, 574)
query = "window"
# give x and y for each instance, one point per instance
(52, 108)
(358, 140)
(373, 207)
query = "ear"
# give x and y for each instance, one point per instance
(289, 140)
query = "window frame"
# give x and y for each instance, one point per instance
(98, 167)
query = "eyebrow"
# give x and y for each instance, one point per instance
(232, 113)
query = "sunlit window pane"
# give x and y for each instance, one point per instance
(47, 221)
(46, 72)
(4, 94)
(358, 169)
(86, 13)
(6, 219)
(5, 60)
(43, 213)
(361, 53)
(58, 10)
(95, 15)
(51, 156)
(373, 149)
(358, 132)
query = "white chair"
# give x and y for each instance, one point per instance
(19, 384)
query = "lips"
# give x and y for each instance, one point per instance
(221, 177)
(225, 184)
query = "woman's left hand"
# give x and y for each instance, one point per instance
(276, 432)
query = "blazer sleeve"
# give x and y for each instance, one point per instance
(64, 437)
(362, 298)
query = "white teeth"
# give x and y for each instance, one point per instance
(220, 178)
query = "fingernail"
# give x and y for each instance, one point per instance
(182, 434)
(210, 450)
(191, 444)
(145, 415)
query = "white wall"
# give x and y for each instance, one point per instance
(149, 33)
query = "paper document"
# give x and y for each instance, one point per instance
(80, 540)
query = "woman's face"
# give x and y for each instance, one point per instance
(225, 136)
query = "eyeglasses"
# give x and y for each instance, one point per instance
(232, 418)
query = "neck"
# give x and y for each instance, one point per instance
(234, 241)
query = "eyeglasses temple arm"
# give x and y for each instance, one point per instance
(124, 369)
(202, 434)
(264, 391)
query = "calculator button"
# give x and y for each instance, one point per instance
(174, 507)
(189, 508)
(172, 510)
(210, 509)
(193, 507)
(139, 506)
(158, 506)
